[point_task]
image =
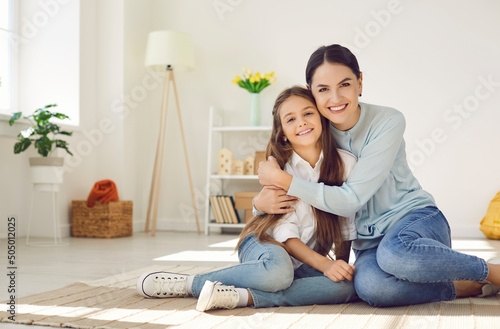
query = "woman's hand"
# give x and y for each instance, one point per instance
(273, 200)
(338, 270)
(270, 173)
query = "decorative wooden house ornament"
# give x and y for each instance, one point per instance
(237, 167)
(249, 165)
(225, 162)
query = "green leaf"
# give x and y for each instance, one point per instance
(42, 130)
(44, 116)
(61, 116)
(44, 146)
(22, 145)
(257, 87)
(53, 128)
(67, 133)
(63, 144)
(60, 143)
(248, 86)
(15, 117)
(264, 85)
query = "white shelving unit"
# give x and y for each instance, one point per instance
(220, 136)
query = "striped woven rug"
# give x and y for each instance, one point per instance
(113, 303)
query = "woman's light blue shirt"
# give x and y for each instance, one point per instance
(381, 188)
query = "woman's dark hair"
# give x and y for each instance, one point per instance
(328, 226)
(335, 54)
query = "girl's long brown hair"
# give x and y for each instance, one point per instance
(328, 227)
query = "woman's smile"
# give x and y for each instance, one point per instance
(337, 109)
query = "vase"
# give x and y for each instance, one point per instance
(254, 109)
(46, 173)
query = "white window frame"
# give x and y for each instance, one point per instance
(5, 114)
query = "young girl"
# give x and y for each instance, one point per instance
(267, 276)
(403, 250)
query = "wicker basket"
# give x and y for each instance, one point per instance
(101, 221)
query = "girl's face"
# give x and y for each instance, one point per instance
(301, 122)
(336, 88)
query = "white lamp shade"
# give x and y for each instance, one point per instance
(170, 48)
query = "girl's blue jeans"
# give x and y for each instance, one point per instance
(266, 270)
(414, 263)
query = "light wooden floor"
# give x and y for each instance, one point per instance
(46, 268)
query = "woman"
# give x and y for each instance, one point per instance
(403, 251)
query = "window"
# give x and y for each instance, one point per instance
(44, 36)
(6, 56)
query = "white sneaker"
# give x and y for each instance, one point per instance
(162, 285)
(489, 289)
(216, 295)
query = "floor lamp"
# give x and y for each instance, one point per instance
(168, 51)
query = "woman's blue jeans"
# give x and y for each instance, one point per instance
(266, 270)
(414, 263)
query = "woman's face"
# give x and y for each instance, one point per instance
(336, 88)
(301, 122)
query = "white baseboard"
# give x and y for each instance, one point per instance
(466, 232)
(169, 225)
(457, 231)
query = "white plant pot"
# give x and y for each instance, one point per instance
(46, 173)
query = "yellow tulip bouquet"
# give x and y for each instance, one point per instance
(254, 83)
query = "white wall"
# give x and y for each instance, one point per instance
(430, 60)
(425, 58)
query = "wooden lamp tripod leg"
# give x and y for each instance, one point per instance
(186, 155)
(155, 183)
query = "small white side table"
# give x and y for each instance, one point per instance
(52, 189)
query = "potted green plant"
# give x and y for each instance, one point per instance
(46, 171)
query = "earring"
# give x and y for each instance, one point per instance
(285, 139)
(360, 95)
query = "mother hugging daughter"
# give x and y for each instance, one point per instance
(403, 248)
(334, 162)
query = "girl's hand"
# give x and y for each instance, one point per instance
(338, 270)
(273, 200)
(335, 270)
(269, 171)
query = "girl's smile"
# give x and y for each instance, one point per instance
(305, 132)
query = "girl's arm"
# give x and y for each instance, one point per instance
(376, 159)
(335, 270)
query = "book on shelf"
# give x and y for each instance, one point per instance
(232, 212)
(223, 209)
(217, 211)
